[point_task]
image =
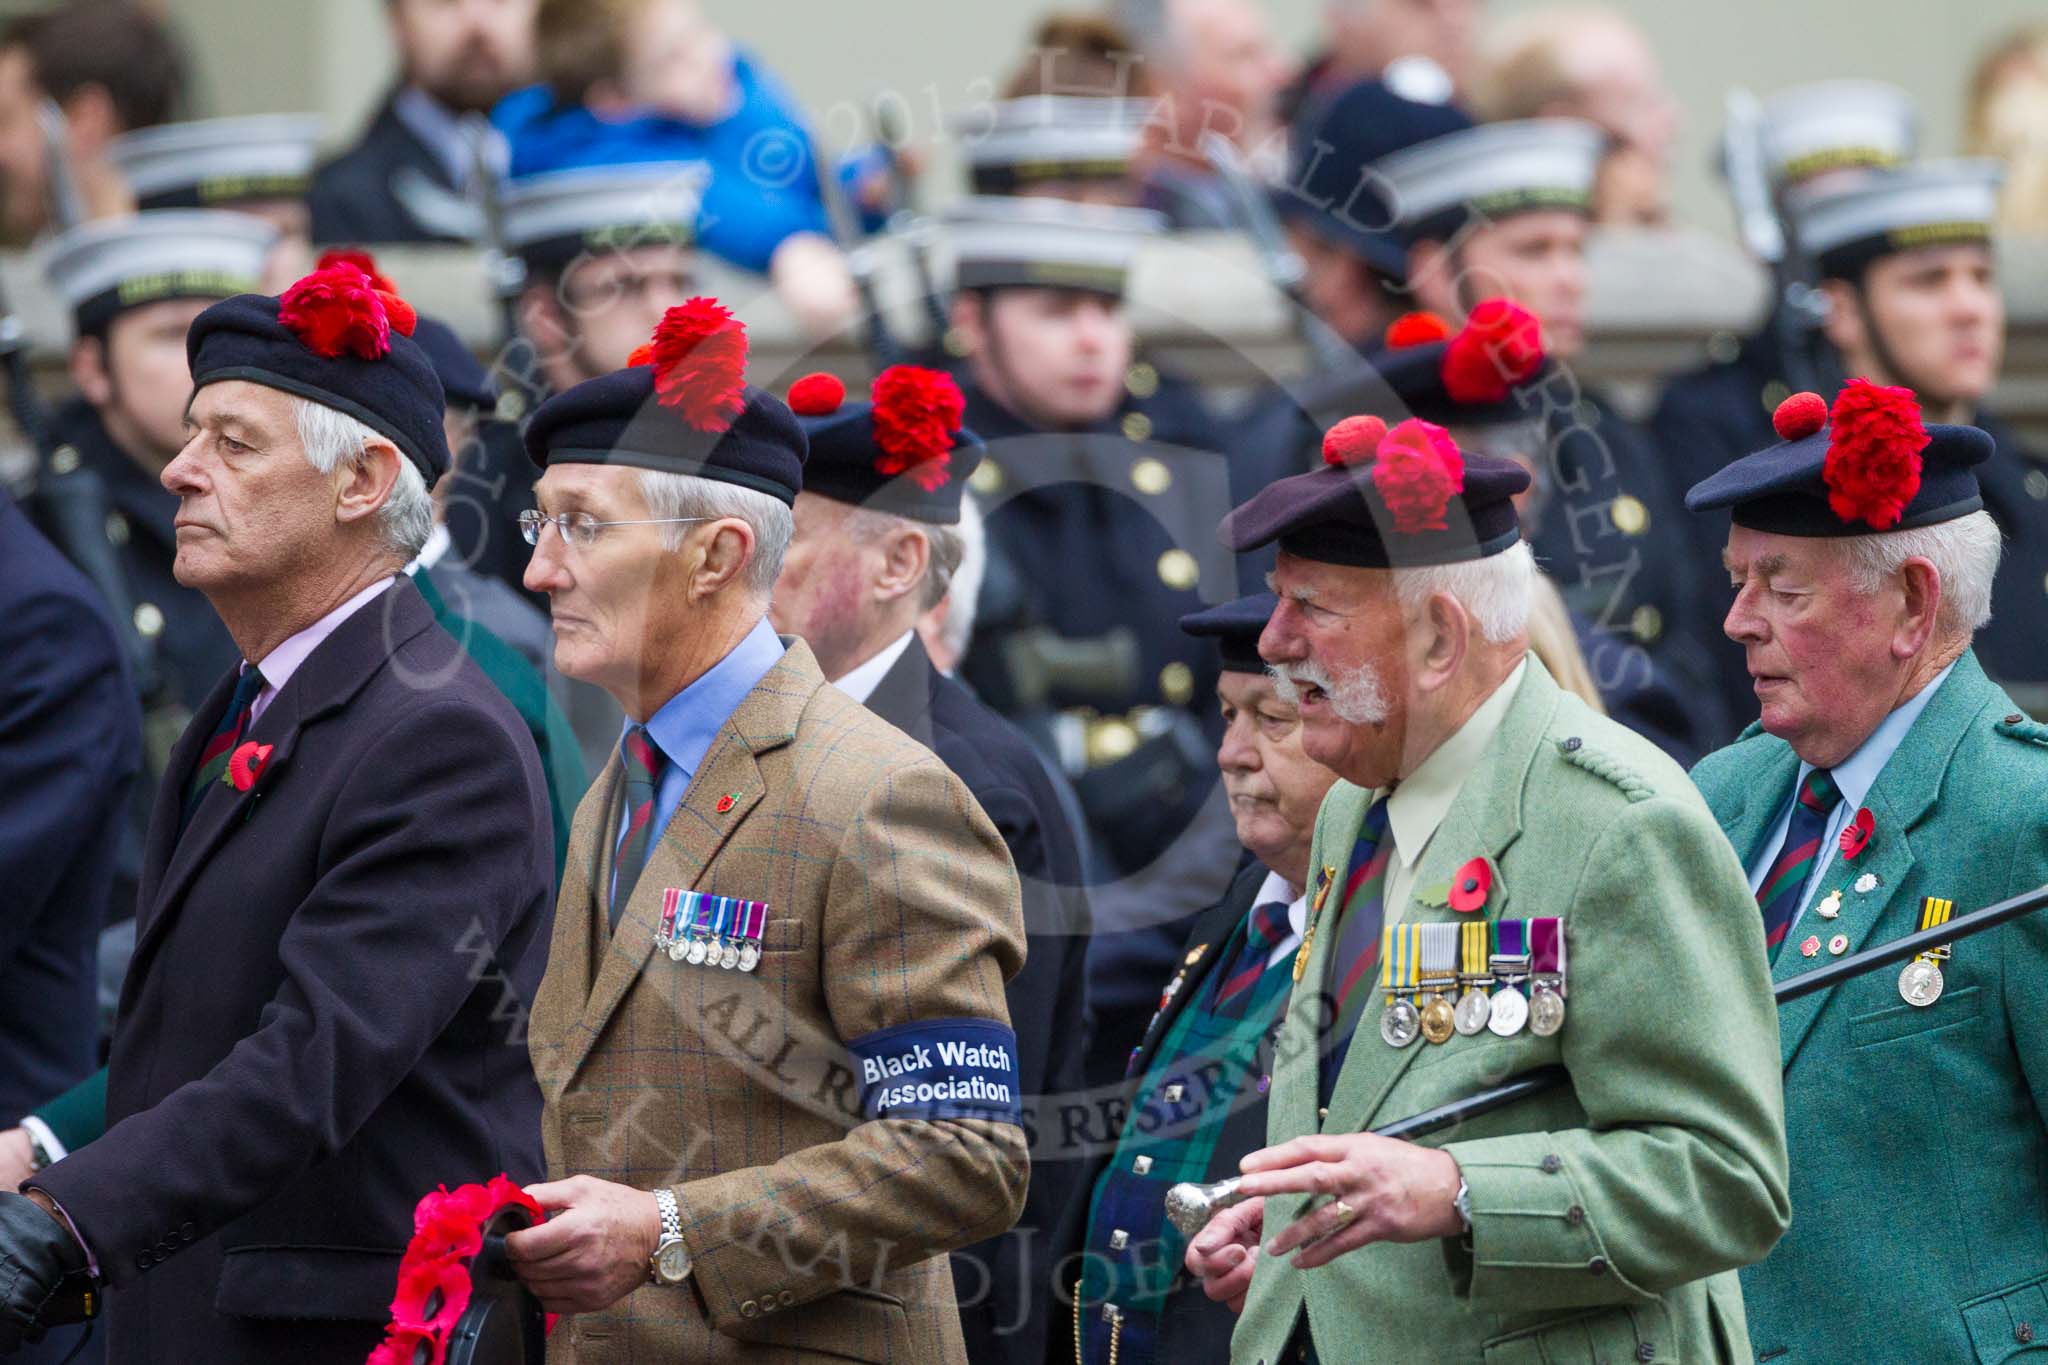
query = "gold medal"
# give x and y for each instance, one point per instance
(1439, 1020)
(1315, 914)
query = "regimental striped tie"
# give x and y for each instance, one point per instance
(1264, 929)
(220, 745)
(643, 771)
(1358, 928)
(1784, 886)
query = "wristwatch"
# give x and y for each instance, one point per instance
(1463, 1204)
(670, 1264)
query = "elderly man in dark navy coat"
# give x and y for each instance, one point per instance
(344, 902)
(875, 546)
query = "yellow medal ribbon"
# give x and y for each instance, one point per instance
(1934, 911)
(1475, 940)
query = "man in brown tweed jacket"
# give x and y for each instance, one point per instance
(780, 1081)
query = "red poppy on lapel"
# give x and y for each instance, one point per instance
(245, 765)
(1471, 885)
(1856, 834)
(725, 803)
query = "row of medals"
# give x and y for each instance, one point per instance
(1503, 1013)
(699, 949)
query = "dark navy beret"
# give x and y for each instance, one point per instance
(615, 419)
(395, 393)
(850, 462)
(1339, 515)
(1789, 488)
(1332, 191)
(1484, 375)
(1236, 627)
(464, 380)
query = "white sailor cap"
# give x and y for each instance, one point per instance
(1846, 225)
(552, 218)
(219, 162)
(1039, 242)
(110, 265)
(1836, 125)
(1019, 143)
(1491, 171)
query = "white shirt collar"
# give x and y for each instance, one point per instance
(1275, 888)
(438, 541)
(279, 664)
(860, 684)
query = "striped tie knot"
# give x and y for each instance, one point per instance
(642, 761)
(1819, 793)
(1263, 931)
(219, 748)
(1269, 925)
(640, 755)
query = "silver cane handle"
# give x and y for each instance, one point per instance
(1189, 1207)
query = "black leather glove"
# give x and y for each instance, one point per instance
(38, 1258)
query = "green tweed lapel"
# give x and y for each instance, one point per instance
(1291, 1108)
(1484, 819)
(1905, 791)
(1745, 811)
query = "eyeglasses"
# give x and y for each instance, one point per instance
(580, 529)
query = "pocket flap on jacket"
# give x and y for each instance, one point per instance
(340, 1283)
(2009, 1322)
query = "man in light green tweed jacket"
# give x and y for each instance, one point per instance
(1603, 1220)
(1916, 1118)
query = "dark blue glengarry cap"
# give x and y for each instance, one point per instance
(1015, 146)
(1332, 188)
(1845, 225)
(1866, 465)
(464, 380)
(219, 162)
(1032, 242)
(334, 339)
(903, 452)
(1236, 627)
(682, 407)
(1490, 172)
(553, 218)
(1386, 499)
(106, 267)
(1810, 130)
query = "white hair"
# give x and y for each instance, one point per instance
(688, 495)
(944, 548)
(965, 589)
(330, 436)
(1494, 590)
(1964, 552)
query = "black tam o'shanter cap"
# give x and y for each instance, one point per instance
(1236, 627)
(902, 452)
(1866, 464)
(682, 406)
(340, 337)
(1386, 499)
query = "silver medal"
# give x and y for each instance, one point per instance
(676, 950)
(696, 952)
(1401, 1024)
(1546, 1012)
(1510, 1011)
(1920, 984)
(730, 958)
(1473, 1009)
(750, 957)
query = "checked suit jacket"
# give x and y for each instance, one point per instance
(814, 1234)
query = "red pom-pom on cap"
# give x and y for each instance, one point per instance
(1799, 416)
(699, 354)
(1500, 346)
(1353, 440)
(403, 318)
(917, 414)
(1416, 329)
(1418, 471)
(337, 309)
(816, 395)
(1872, 468)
